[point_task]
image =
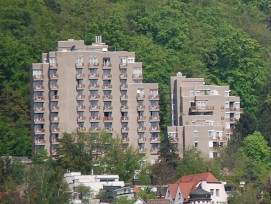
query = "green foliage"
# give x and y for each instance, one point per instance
(146, 194)
(124, 200)
(85, 193)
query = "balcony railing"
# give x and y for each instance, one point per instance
(82, 107)
(82, 129)
(107, 118)
(39, 109)
(125, 140)
(54, 86)
(154, 117)
(80, 86)
(94, 96)
(91, 76)
(80, 75)
(39, 130)
(55, 130)
(141, 117)
(94, 86)
(124, 108)
(123, 64)
(54, 108)
(55, 140)
(54, 97)
(123, 76)
(137, 76)
(53, 65)
(143, 150)
(39, 120)
(124, 129)
(154, 150)
(94, 118)
(94, 128)
(155, 139)
(53, 76)
(108, 107)
(54, 119)
(94, 108)
(123, 118)
(124, 97)
(79, 64)
(107, 97)
(93, 64)
(107, 64)
(141, 139)
(141, 107)
(140, 96)
(110, 129)
(174, 139)
(38, 87)
(141, 129)
(107, 76)
(39, 98)
(154, 97)
(155, 128)
(39, 141)
(156, 107)
(81, 118)
(219, 138)
(201, 108)
(107, 86)
(232, 119)
(38, 77)
(124, 86)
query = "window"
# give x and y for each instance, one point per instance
(52, 60)
(191, 93)
(123, 60)
(212, 191)
(93, 60)
(93, 71)
(79, 59)
(37, 72)
(217, 192)
(153, 92)
(93, 81)
(195, 133)
(137, 71)
(211, 133)
(131, 60)
(196, 144)
(227, 93)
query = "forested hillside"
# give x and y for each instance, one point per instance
(224, 41)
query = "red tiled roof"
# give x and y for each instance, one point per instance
(173, 189)
(186, 188)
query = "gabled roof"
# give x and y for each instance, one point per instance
(186, 188)
(173, 189)
(200, 191)
(140, 201)
(196, 178)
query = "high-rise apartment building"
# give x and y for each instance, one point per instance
(202, 115)
(88, 88)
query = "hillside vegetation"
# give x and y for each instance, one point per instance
(224, 41)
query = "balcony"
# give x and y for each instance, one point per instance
(54, 119)
(124, 108)
(107, 86)
(140, 96)
(141, 129)
(39, 109)
(93, 64)
(107, 65)
(54, 87)
(124, 118)
(141, 118)
(94, 129)
(93, 76)
(155, 129)
(107, 76)
(137, 76)
(55, 141)
(141, 140)
(154, 150)
(108, 107)
(39, 131)
(40, 141)
(123, 97)
(53, 76)
(38, 87)
(81, 118)
(174, 139)
(155, 118)
(155, 139)
(81, 129)
(215, 148)
(80, 76)
(124, 129)
(107, 119)
(107, 97)
(93, 86)
(94, 118)
(154, 97)
(232, 119)
(141, 107)
(202, 108)
(123, 76)
(123, 86)
(54, 108)
(142, 150)
(39, 98)
(219, 139)
(55, 130)
(123, 64)
(96, 151)
(80, 97)
(54, 98)
(125, 140)
(53, 65)
(79, 108)
(108, 129)
(80, 86)
(156, 107)
(94, 108)
(38, 77)
(39, 120)
(94, 97)
(79, 64)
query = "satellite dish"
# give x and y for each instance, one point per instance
(179, 74)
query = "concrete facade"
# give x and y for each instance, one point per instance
(88, 88)
(202, 115)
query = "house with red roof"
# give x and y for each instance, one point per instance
(197, 188)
